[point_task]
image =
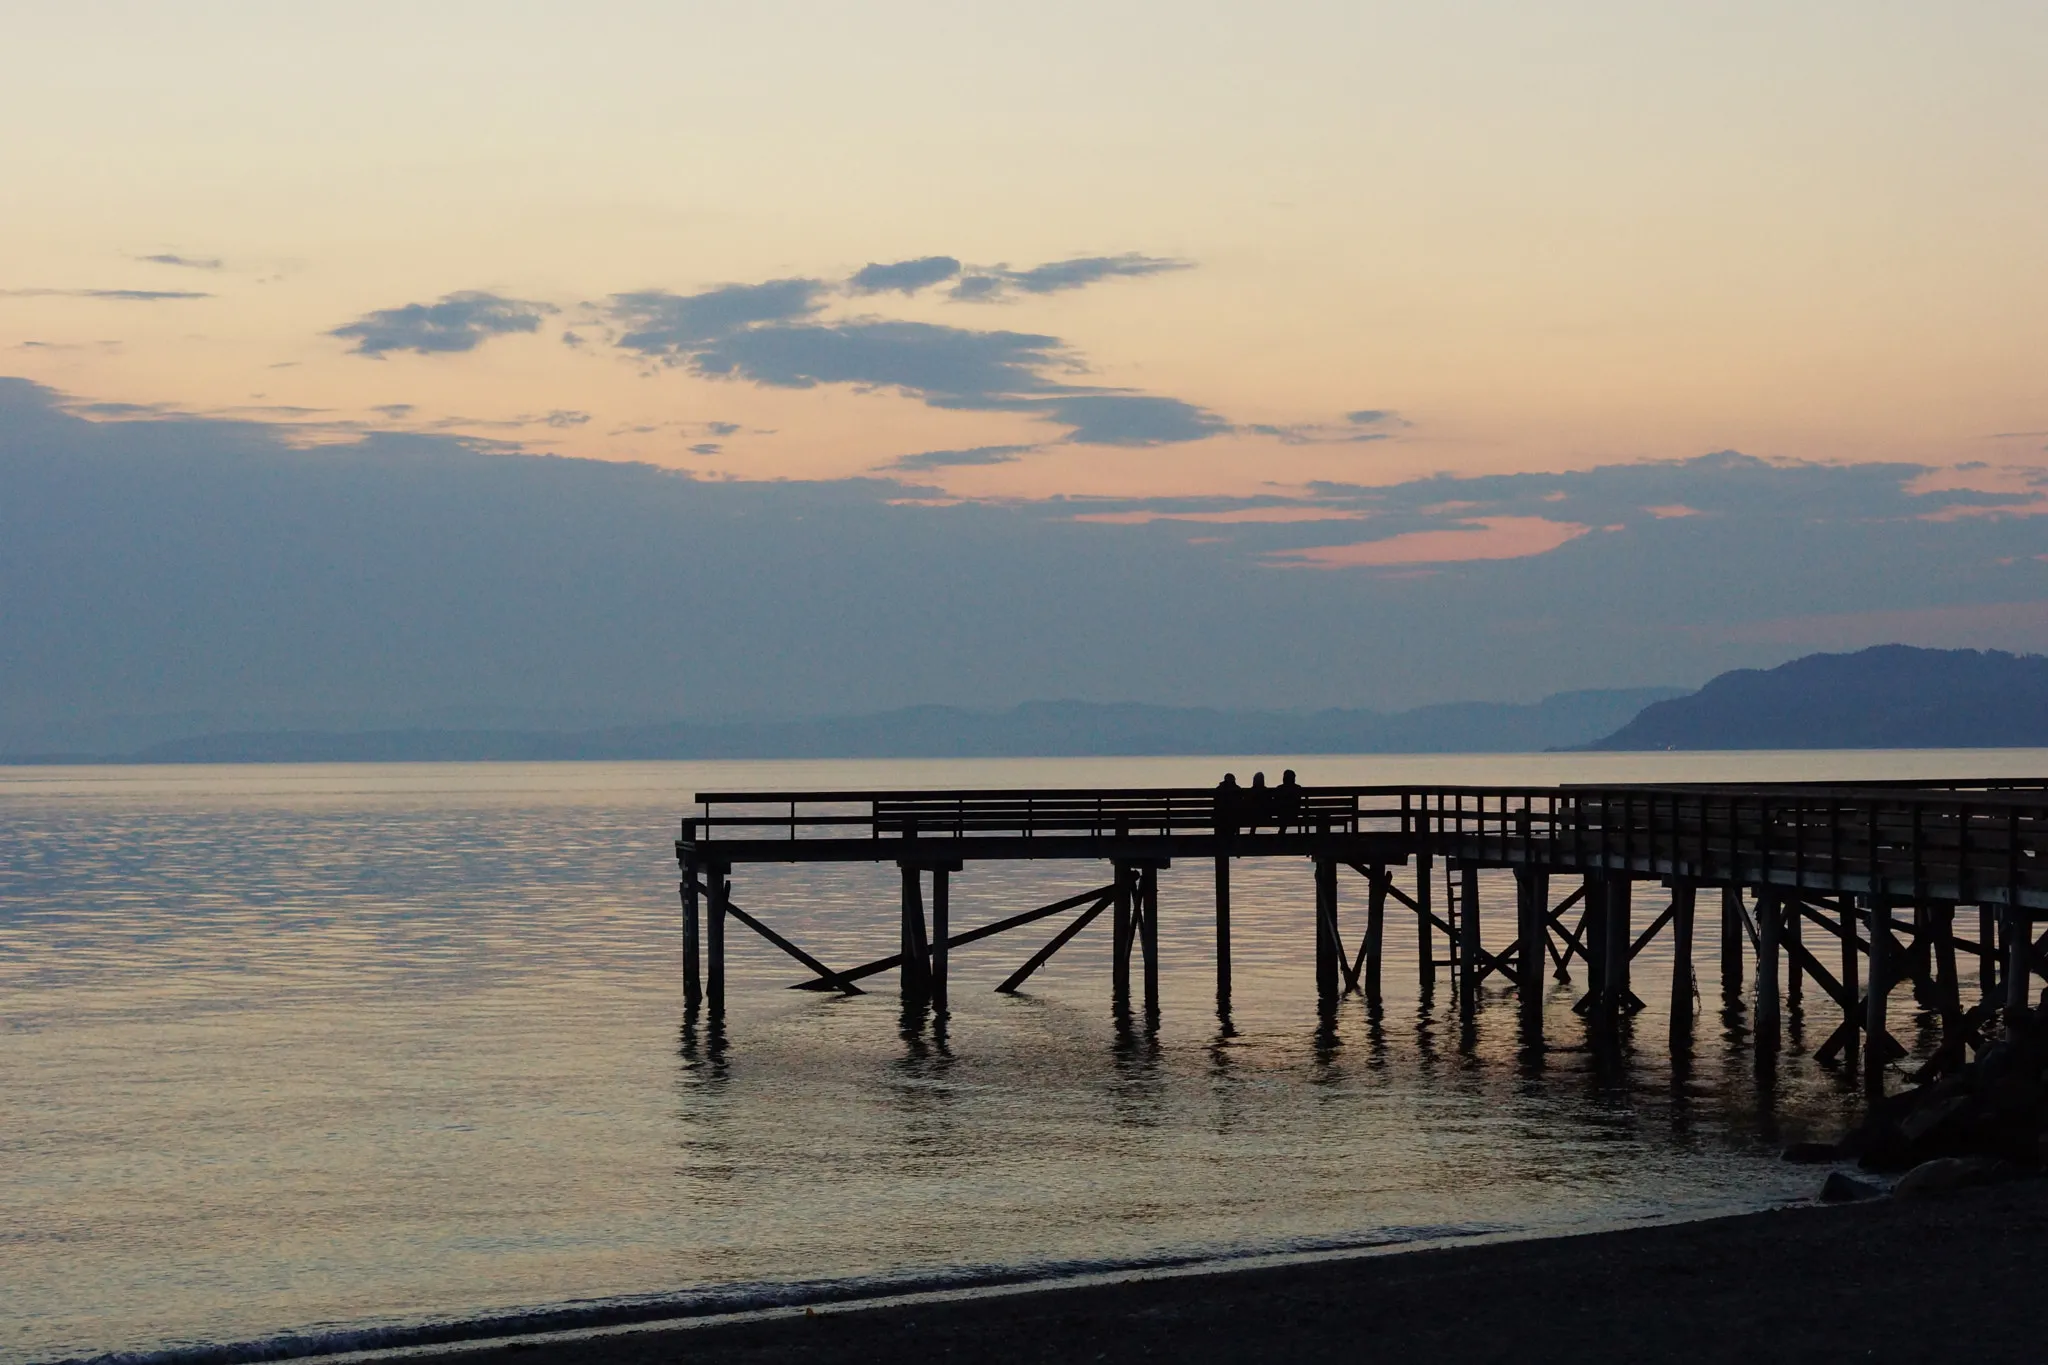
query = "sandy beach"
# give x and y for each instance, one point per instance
(1955, 1277)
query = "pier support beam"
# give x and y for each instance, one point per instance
(1121, 935)
(1148, 930)
(1375, 931)
(942, 913)
(718, 880)
(1770, 923)
(1468, 940)
(693, 979)
(1920, 961)
(1795, 971)
(1618, 1000)
(1329, 944)
(913, 945)
(1593, 939)
(1731, 944)
(1875, 999)
(2019, 966)
(1223, 933)
(1851, 966)
(1532, 930)
(1425, 953)
(1948, 991)
(1684, 897)
(1987, 951)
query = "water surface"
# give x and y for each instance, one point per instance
(329, 1048)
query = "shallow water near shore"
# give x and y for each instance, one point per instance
(337, 1049)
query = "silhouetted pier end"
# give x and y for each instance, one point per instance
(1883, 867)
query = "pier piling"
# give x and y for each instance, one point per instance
(1468, 939)
(1532, 931)
(1148, 928)
(1770, 924)
(1329, 943)
(719, 882)
(1731, 944)
(1684, 895)
(693, 977)
(941, 929)
(1425, 954)
(1223, 933)
(1375, 932)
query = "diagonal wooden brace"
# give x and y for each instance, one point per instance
(1059, 941)
(889, 963)
(838, 982)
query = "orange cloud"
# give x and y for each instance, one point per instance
(1483, 538)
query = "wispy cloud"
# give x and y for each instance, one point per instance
(1358, 428)
(187, 262)
(947, 459)
(457, 322)
(984, 284)
(117, 295)
(773, 334)
(673, 327)
(903, 277)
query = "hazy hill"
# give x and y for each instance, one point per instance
(1889, 697)
(1036, 729)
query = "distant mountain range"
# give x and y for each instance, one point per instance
(1036, 729)
(1889, 697)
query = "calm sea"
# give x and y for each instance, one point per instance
(331, 1049)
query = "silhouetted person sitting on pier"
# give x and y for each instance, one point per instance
(1287, 803)
(1258, 802)
(1229, 804)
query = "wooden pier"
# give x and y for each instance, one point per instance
(1881, 874)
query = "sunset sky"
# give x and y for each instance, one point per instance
(1223, 253)
(1531, 236)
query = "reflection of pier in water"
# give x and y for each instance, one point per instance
(1879, 868)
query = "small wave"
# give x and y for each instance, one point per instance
(718, 1300)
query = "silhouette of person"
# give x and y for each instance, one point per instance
(1289, 801)
(1229, 797)
(1258, 799)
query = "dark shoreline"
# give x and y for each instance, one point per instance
(1948, 1278)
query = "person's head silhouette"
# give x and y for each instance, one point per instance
(1259, 778)
(1229, 780)
(1287, 778)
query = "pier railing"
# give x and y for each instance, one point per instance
(1977, 842)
